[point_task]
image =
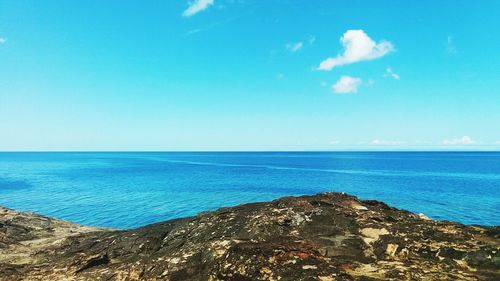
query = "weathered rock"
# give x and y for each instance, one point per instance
(329, 236)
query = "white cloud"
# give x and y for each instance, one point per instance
(465, 140)
(424, 142)
(497, 142)
(197, 6)
(390, 73)
(358, 46)
(386, 142)
(193, 31)
(2, 40)
(347, 85)
(334, 142)
(312, 39)
(294, 47)
(450, 47)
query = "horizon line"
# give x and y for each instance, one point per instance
(249, 151)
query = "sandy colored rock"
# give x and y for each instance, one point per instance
(329, 236)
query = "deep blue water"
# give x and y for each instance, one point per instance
(126, 190)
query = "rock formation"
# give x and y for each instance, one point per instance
(329, 236)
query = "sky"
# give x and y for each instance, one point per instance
(249, 75)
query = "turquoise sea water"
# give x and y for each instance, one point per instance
(125, 190)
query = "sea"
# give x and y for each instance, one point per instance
(131, 189)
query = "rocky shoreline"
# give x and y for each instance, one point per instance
(328, 236)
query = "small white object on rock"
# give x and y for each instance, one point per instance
(309, 267)
(424, 217)
(360, 208)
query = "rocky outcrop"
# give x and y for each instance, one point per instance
(328, 236)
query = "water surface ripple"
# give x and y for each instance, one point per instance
(125, 190)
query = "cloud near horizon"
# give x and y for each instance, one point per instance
(2, 40)
(358, 46)
(465, 140)
(387, 142)
(347, 85)
(197, 6)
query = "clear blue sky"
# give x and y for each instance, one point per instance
(249, 75)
